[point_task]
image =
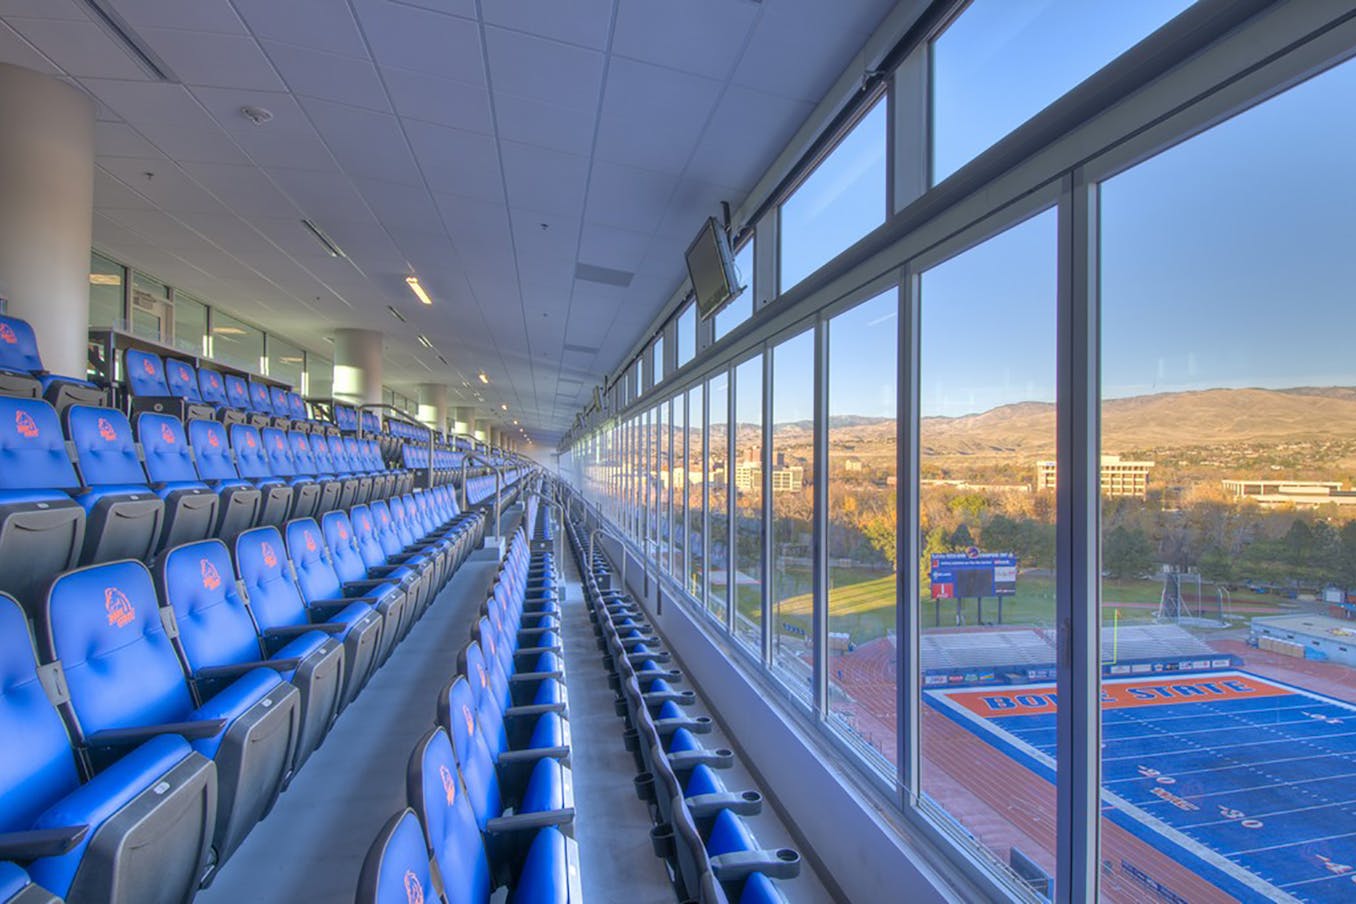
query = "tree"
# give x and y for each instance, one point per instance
(1127, 553)
(961, 538)
(1346, 544)
(879, 530)
(1298, 543)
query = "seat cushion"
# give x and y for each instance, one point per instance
(545, 875)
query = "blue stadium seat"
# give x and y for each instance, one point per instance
(127, 686)
(252, 463)
(281, 612)
(339, 454)
(346, 418)
(123, 517)
(42, 529)
(374, 521)
(260, 399)
(326, 468)
(190, 505)
(213, 388)
(357, 578)
(218, 642)
(320, 584)
(277, 397)
(238, 394)
(397, 869)
(305, 491)
(23, 376)
(140, 830)
(240, 499)
(303, 459)
(17, 888)
(540, 725)
(296, 408)
(183, 384)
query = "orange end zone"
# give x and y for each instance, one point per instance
(1030, 700)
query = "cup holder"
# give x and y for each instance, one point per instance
(752, 797)
(703, 719)
(661, 839)
(724, 752)
(644, 783)
(786, 855)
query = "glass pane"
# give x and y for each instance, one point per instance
(149, 302)
(190, 324)
(748, 502)
(105, 292)
(678, 484)
(717, 492)
(741, 309)
(696, 492)
(793, 467)
(285, 361)
(687, 334)
(1000, 63)
(1227, 380)
(319, 377)
(987, 563)
(861, 540)
(842, 200)
(236, 343)
(657, 361)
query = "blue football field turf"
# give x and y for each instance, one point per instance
(1249, 782)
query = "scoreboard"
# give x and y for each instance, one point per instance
(973, 574)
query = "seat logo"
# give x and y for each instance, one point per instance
(7, 334)
(343, 532)
(484, 679)
(167, 434)
(310, 542)
(413, 890)
(107, 430)
(270, 557)
(24, 423)
(213, 381)
(282, 446)
(449, 783)
(470, 719)
(118, 607)
(213, 440)
(211, 579)
(249, 440)
(147, 366)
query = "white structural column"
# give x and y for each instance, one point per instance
(463, 418)
(357, 366)
(433, 405)
(46, 212)
(484, 431)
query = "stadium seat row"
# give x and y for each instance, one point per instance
(489, 788)
(164, 709)
(711, 854)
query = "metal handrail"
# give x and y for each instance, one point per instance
(373, 406)
(621, 541)
(560, 528)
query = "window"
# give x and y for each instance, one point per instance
(987, 530)
(657, 360)
(741, 309)
(105, 291)
(793, 467)
(678, 481)
(696, 492)
(861, 524)
(747, 571)
(1227, 315)
(841, 200)
(660, 480)
(285, 361)
(319, 377)
(151, 310)
(687, 333)
(717, 495)
(1000, 63)
(236, 343)
(190, 324)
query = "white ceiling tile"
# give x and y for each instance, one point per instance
(799, 47)
(116, 139)
(457, 162)
(692, 203)
(17, 51)
(584, 22)
(244, 189)
(439, 100)
(170, 118)
(653, 117)
(464, 8)
(82, 49)
(317, 24)
(426, 41)
(324, 198)
(559, 240)
(701, 36)
(544, 124)
(365, 142)
(229, 232)
(167, 187)
(543, 179)
(618, 249)
(111, 194)
(544, 70)
(407, 207)
(213, 60)
(328, 76)
(743, 111)
(195, 15)
(476, 226)
(626, 197)
(288, 139)
(43, 9)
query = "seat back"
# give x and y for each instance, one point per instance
(279, 452)
(365, 535)
(32, 450)
(197, 582)
(212, 450)
(260, 400)
(345, 418)
(250, 459)
(384, 525)
(277, 397)
(310, 559)
(261, 564)
(183, 380)
(401, 521)
(165, 447)
(344, 555)
(339, 455)
(370, 421)
(354, 453)
(303, 459)
(238, 392)
(104, 450)
(41, 770)
(457, 714)
(145, 373)
(296, 407)
(103, 623)
(213, 387)
(372, 455)
(435, 791)
(18, 345)
(397, 869)
(321, 450)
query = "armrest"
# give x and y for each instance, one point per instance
(524, 677)
(285, 631)
(126, 737)
(509, 757)
(522, 822)
(237, 669)
(741, 803)
(532, 632)
(537, 651)
(736, 866)
(655, 655)
(363, 585)
(40, 842)
(533, 709)
(687, 760)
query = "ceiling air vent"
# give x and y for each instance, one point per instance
(603, 275)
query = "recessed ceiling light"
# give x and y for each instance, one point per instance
(105, 279)
(483, 377)
(418, 290)
(503, 406)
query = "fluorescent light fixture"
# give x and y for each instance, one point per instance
(105, 279)
(325, 241)
(228, 331)
(418, 290)
(423, 340)
(483, 377)
(396, 314)
(503, 406)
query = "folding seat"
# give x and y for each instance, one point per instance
(123, 518)
(540, 727)
(376, 481)
(126, 685)
(261, 400)
(218, 641)
(305, 491)
(190, 505)
(347, 470)
(381, 526)
(282, 410)
(42, 529)
(240, 499)
(303, 460)
(736, 859)
(296, 409)
(355, 577)
(238, 394)
(412, 539)
(326, 468)
(252, 463)
(346, 418)
(415, 575)
(23, 376)
(183, 384)
(280, 611)
(140, 830)
(320, 584)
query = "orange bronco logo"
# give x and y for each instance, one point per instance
(213, 440)
(167, 434)
(147, 366)
(310, 542)
(449, 783)
(118, 607)
(24, 423)
(211, 579)
(470, 719)
(249, 440)
(107, 430)
(413, 890)
(7, 334)
(270, 557)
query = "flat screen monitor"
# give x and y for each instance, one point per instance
(710, 265)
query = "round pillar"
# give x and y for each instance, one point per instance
(357, 366)
(463, 418)
(483, 430)
(433, 405)
(47, 211)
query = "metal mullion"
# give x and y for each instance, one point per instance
(908, 543)
(1077, 491)
(765, 553)
(820, 532)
